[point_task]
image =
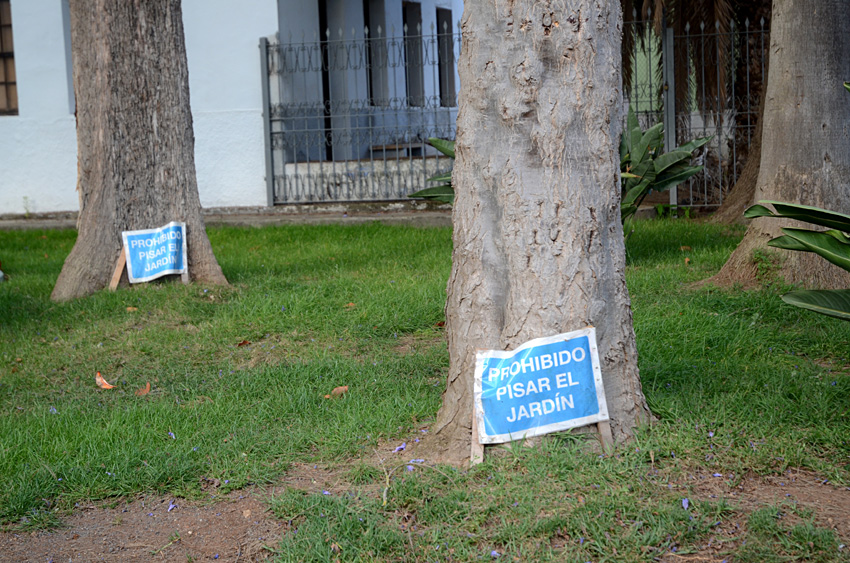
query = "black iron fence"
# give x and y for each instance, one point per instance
(699, 82)
(348, 114)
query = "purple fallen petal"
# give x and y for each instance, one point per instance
(326, 492)
(400, 448)
(410, 468)
(495, 554)
(171, 506)
(685, 503)
(711, 434)
(717, 474)
(417, 461)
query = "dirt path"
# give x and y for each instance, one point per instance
(238, 527)
(153, 528)
(234, 527)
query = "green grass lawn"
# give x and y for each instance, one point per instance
(741, 384)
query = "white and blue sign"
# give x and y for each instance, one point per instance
(152, 253)
(545, 385)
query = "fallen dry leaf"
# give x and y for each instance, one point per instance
(207, 482)
(246, 513)
(339, 390)
(350, 306)
(101, 382)
(440, 324)
(131, 309)
(684, 248)
(144, 390)
(687, 261)
(243, 343)
(327, 396)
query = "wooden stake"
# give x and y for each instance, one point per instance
(119, 269)
(605, 435)
(477, 450)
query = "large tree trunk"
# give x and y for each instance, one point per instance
(806, 139)
(538, 243)
(135, 146)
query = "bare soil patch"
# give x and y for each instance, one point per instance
(236, 528)
(797, 487)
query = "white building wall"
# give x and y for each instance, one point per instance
(38, 147)
(38, 162)
(222, 47)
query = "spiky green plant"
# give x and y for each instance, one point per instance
(444, 191)
(643, 167)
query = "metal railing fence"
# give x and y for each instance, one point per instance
(686, 63)
(348, 114)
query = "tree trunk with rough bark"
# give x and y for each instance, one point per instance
(805, 154)
(135, 145)
(538, 243)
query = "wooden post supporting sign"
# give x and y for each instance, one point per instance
(477, 451)
(119, 269)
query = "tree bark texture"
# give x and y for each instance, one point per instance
(538, 243)
(135, 144)
(806, 137)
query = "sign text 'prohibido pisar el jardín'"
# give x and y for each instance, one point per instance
(545, 385)
(152, 253)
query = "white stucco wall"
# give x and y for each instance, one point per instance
(38, 167)
(38, 163)
(38, 147)
(222, 47)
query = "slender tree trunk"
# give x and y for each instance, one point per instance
(748, 145)
(742, 194)
(538, 243)
(806, 138)
(135, 145)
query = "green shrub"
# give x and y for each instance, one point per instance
(643, 168)
(833, 245)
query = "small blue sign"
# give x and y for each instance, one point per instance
(152, 253)
(545, 385)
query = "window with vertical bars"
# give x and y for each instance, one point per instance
(8, 84)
